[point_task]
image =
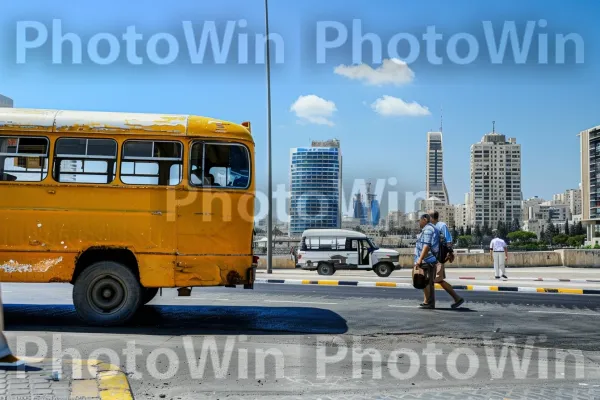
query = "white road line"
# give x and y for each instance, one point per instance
(201, 298)
(297, 302)
(565, 312)
(395, 306)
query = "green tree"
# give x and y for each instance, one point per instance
(578, 230)
(522, 237)
(567, 228)
(477, 235)
(516, 225)
(560, 239)
(454, 233)
(576, 241)
(461, 232)
(486, 231)
(469, 231)
(542, 234)
(464, 241)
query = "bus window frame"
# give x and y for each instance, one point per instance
(55, 155)
(212, 142)
(49, 153)
(122, 159)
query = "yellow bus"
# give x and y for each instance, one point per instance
(122, 204)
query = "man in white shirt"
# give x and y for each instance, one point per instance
(499, 253)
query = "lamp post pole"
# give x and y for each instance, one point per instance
(270, 178)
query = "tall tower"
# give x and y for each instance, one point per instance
(316, 187)
(495, 180)
(434, 180)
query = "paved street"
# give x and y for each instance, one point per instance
(313, 337)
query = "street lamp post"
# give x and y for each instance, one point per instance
(270, 178)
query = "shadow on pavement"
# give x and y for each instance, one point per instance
(183, 320)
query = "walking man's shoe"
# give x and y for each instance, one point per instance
(497, 277)
(10, 361)
(458, 303)
(425, 306)
(505, 277)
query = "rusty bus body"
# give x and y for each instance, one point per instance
(148, 208)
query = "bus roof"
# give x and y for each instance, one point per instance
(333, 233)
(39, 120)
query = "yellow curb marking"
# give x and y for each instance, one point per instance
(385, 284)
(571, 291)
(85, 388)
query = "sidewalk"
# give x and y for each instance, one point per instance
(531, 280)
(90, 380)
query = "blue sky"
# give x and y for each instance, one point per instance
(543, 106)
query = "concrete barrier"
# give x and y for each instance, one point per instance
(566, 258)
(483, 260)
(580, 258)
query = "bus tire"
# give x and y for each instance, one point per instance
(148, 294)
(325, 269)
(107, 293)
(383, 269)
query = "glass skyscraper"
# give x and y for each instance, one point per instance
(316, 185)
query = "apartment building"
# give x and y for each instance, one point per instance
(495, 180)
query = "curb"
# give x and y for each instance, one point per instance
(74, 379)
(472, 278)
(108, 383)
(401, 285)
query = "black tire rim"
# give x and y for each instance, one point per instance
(383, 269)
(325, 269)
(107, 294)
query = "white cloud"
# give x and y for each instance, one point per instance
(389, 106)
(391, 72)
(314, 109)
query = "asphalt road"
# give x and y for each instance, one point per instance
(314, 336)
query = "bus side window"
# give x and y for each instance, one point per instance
(84, 160)
(220, 165)
(147, 162)
(23, 159)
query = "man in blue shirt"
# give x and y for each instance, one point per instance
(426, 252)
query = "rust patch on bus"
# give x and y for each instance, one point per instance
(13, 266)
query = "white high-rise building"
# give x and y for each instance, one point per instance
(434, 180)
(495, 180)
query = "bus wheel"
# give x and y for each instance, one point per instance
(383, 269)
(107, 293)
(325, 269)
(148, 294)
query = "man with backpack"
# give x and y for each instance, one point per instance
(427, 255)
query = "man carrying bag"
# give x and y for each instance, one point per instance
(427, 251)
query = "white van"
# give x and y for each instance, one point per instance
(327, 250)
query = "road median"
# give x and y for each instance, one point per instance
(406, 285)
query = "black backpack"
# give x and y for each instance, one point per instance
(445, 250)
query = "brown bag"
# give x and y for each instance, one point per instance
(420, 277)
